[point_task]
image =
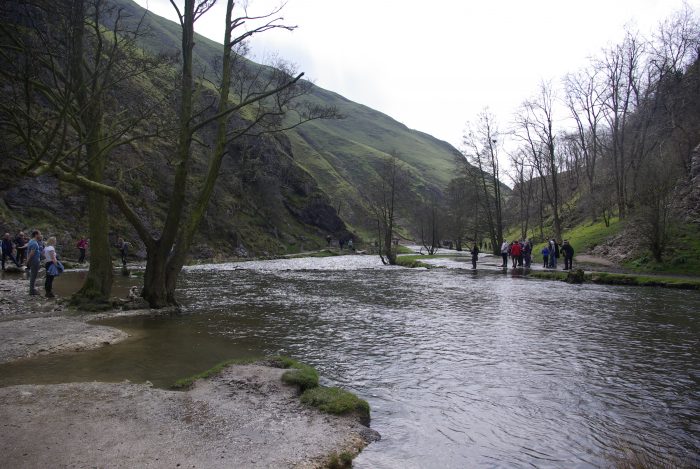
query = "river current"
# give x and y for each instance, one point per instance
(461, 368)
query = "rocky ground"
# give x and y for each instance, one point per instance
(245, 417)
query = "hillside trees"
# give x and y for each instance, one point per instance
(245, 100)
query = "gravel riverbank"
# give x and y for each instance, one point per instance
(244, 417)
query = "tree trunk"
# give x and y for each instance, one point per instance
(97, 287)
(155, 290)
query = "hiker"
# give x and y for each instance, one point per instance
(82, 247)
(351, 247)
(34, 259)
(553, 253)
(123, 247)
(504, 253)
(515, 253)
(21, 241)
(328, 240)
(7, 249)
(53, 267)
(527, 253)
(475, 256)
(568, 251)
(545, 256)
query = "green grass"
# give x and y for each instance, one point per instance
(340, 461)
(336, 401)
(681, 257)
(401, 249)
(299, 374)
(412, 261)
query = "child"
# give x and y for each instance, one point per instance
(545, 257)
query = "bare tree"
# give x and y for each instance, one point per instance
(535, 127)
(245, 100)
(524, 187)
(481, 148)
(382, 200)
(584, 98)
(63, 67)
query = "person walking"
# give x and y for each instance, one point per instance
(504, 253)
(568, 251)
(52, 266)
(545, 256)
(553, 253)
(527, 253)
(515, 253)
(34, 260)
(82, 247)
(123, 247)
(475, 256)
(7, 249)
(21, 241)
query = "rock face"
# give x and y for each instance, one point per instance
(691, 198)
(244, 417)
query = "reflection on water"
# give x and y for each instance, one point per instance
(461, 369)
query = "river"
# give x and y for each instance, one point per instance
(461, 368)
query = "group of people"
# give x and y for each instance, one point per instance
(552, 252)
(14, 249)
(31, 251)
(519, 252)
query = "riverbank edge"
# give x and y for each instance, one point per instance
(48, 327)
(611, 278)
(244, 416)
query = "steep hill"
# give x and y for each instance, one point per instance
(339, 154)
(284, 196)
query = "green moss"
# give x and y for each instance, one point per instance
(340, 461)
(336, 401)
(186, 383)
(299, 374)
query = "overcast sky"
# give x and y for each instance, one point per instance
(435, 65)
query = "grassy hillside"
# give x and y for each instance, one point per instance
(339, 154)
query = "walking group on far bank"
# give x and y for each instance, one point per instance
(520, 254)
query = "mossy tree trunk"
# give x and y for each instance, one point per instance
(97, 287)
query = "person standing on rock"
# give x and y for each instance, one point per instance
(504, 253)
(7, 249)
(82, 247)
(34, 260)
(568, 251)
(21, 241)
(515, 253)
(51, 260)
(475, 256)
(527, 253)
(123, 247)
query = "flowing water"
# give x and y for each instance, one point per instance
(461, 368)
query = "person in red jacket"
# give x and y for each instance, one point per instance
(515, 253)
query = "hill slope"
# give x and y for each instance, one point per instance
(301, 180)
